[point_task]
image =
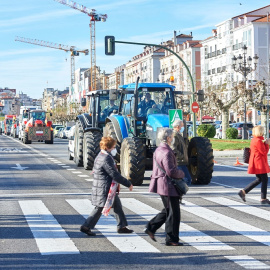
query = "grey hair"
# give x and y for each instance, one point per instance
(177, 123)
(164, 134)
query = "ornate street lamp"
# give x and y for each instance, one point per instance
(243, 65)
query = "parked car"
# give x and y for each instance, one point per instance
(71, 143)
(64, 133)
(239, 127)
(56, 129)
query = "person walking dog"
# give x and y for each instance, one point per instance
(258, 164)
(179, 147)
(106, 177)
(164, 167)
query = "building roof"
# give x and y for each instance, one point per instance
(184, 36)
(250, 12)
(262, 19)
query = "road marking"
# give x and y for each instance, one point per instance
(188, 234)
(19, 167)
(229, 223)
(12, 150)
(50, 158)
(83, 175)
(50, 237)
(107, 226)
(70, 169)
(251, 210)
(89, 180)
(61, 164)
(66, 166)
(248, 262)
(76, 172)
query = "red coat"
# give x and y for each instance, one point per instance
(258, 163)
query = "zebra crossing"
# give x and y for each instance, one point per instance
(51, 238)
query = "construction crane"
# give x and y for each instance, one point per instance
(66, 48)
(94, 18)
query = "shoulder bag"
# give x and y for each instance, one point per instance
(180, 185)
(246, 154)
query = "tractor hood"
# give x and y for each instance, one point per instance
(157, 120)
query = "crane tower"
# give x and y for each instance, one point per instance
(66, 48)
(94, 17)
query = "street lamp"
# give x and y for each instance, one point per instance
(242, 64)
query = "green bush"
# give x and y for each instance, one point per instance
(231, 133)
(206, 130)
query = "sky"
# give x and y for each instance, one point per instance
(30, 68)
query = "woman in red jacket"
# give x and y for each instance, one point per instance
(258, 164)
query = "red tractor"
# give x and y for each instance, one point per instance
(38, 128)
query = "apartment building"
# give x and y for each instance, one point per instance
(116, 78)
(227, 40)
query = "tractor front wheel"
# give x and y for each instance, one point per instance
(201, 160)
(78, 144)
(132, 160)
(91, 148)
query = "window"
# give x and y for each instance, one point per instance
(213, 71)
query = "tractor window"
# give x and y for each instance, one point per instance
(25, 114)
(38, 115)
(107, 107)
(128, 104)
(154, 102)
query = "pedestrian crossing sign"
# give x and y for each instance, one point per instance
(175, 115)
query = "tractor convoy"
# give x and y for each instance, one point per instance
(126, 115)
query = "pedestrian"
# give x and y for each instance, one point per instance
(179, 147)
(105, 172)
(258, 164)
(164, 167)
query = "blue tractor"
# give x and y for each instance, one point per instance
(143, 113)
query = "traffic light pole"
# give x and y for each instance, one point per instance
(183, 62)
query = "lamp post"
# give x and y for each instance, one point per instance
(242, 64)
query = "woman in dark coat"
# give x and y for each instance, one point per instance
(105, 171)
(162, 185)
(258, 164)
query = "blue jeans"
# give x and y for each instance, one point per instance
(187, 177)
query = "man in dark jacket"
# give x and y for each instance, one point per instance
(146, 104)
(180, 149)
(104, 172)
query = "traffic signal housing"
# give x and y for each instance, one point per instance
(109, 45)
(200, 94)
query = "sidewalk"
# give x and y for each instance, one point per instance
(230, 153)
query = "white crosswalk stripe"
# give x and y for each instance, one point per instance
(188, 234)
(251, 210)
(107, 226)
(229, 223)
(50, 237)
(248, 262)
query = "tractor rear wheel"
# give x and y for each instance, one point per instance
(109, 132)
(132, 160)
(201, 160)
(51, 140)
(91, 148)
(25, 138)
(78, 144)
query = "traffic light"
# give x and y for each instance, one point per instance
(200, 94)
(109, 45)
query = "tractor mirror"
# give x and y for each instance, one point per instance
(83, 102)
(113, 94)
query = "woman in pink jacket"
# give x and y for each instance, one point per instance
(164, 168)
(258, 164)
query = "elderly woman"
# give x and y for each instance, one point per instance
(180, 149)
(164, 168)
(258, 164)
(105, 171)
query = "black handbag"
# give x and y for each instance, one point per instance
(246, 155)
(179, 184)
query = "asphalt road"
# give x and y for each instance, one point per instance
(44, 198)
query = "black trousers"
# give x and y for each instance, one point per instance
(260, 178)
(95, 215)
(170, 215)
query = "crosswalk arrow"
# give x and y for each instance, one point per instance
(19, 167)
